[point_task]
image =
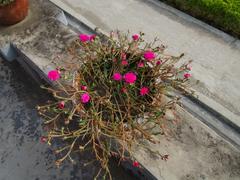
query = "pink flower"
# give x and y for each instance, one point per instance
(158, 63)
(123, 56)
(130, 77)
(43, 139)
(136, 164)
(149, 55)
(85, 98)
(140, 64)
(117, 76)
(84, 88)
(187, 75)
(124, 89)
(92, 37)
(144, 91)
(84, 37)
(61, 105)
(124, 63)
(54, 75)
(135, 37)
(189, 67)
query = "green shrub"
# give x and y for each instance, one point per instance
(5, 2)
(224, 14)
(115, 93)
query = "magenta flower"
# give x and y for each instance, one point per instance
(61, 105)
(92, 37)
(124, 63)
(144, 91)
(130, 77)
(135, 37)
(84, 88)
(140, 64)
(149, 55)
(54, 75)
(84, 37)
(85, 98)
(43, 139)
(187, 75)
(136, 164)
(158, 63)
(117, 76)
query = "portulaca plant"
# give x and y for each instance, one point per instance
(112, 97)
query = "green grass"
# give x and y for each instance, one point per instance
(223, 14)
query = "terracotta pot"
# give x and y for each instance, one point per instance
(13, 12)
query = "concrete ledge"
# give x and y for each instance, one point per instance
(212, 119)
(188, 145)
(8, 52)
(81, 19)
(228, 116)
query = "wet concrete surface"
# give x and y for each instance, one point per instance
(22, 155)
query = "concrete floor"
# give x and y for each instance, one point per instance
(216, 55)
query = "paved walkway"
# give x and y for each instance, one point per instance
(216, 55)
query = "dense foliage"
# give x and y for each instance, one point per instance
(224, 14)
(5, 2)
(111, 96)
